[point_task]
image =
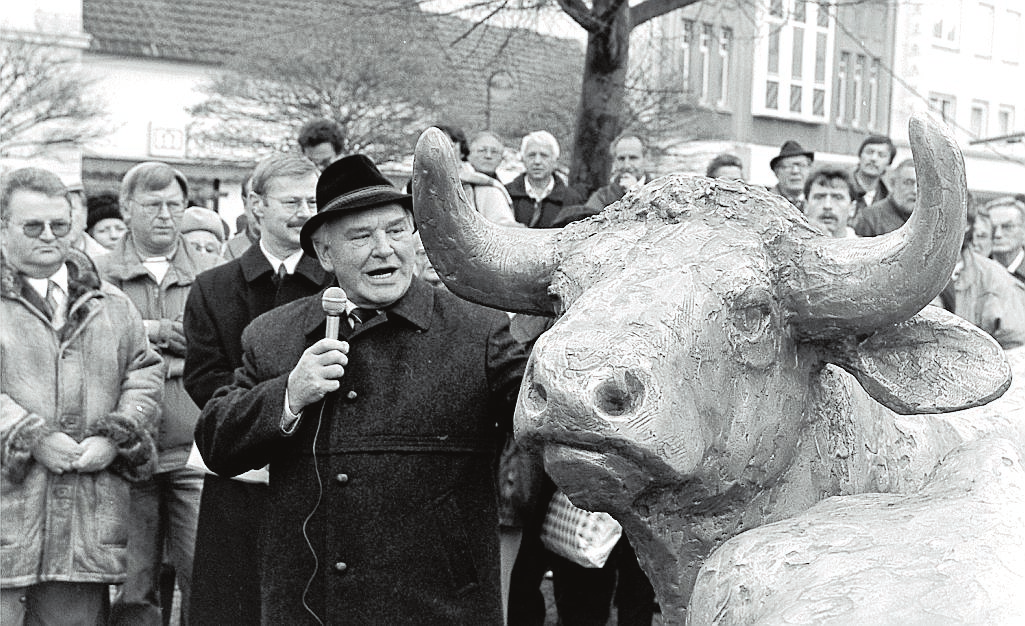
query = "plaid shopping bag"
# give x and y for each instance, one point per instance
(581, 536)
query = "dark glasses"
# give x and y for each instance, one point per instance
(34, 229)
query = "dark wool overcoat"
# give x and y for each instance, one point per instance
(395, 469)
(221, 304)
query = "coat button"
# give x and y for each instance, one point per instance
(342, 478)
(351, 395)
(340, 567)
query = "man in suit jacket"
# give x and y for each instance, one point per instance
(221, 304)
(381, 444)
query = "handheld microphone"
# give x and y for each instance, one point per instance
(333, 302)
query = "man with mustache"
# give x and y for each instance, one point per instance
(223, 300)
(829, 200)
(875, 156)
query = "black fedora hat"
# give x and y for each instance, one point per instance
(790, 149)
(349, 184)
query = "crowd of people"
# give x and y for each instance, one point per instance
(186, 408)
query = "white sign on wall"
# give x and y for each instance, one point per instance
(167, 141)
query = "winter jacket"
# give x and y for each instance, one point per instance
(488, 196)
(404, 520)
(124, 269)
(541, 214)
(96, 375)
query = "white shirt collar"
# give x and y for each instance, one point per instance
(1013, 266)
(290, 262)
(42, 285)
(533, 192)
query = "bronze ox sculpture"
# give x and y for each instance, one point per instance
(718, 365)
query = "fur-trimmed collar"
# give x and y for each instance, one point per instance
(82, 278)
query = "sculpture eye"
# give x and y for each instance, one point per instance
(753, 320)
(752, 316)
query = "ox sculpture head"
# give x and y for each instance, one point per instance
(694, 317)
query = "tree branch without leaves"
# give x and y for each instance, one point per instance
(650, 9)
(44, 101)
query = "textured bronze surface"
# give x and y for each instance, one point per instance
(717, 364)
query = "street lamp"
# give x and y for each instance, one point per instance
(500, 89)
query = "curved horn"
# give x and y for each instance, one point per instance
(500, 267)
(856, 286)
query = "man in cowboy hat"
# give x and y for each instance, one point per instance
(791, 167)
(381, 442)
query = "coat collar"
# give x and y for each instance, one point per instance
(415, 307)
(518, 189)
(83, 287)
(254, 264)
(124, 263)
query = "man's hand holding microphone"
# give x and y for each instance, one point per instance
(322, 365)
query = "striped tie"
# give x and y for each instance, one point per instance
(55, 301)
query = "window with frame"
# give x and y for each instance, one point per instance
(943, 105)
(977, 120)
(704, 49)
(982, 32)
(725, 43)
(1005, 120)
(1010, 36)
(793, 72)
(843, 68)
(946, 23)
(688, 39)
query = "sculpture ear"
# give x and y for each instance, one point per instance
(935, 362)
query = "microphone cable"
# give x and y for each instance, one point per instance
(316, 505)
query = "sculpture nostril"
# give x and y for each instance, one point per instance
(537, 396)
(619, 395)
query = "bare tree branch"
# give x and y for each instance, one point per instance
(45, 100)
(581, 14)
(650, 9)
(356, 75)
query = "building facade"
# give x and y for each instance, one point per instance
(754, 73)
(152, 60)
(965, 61)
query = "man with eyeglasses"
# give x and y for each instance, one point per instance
(381, 443)
(1007, 215)
(222, 302)
(486, 151)
(155, 268)
(79, 397)
(791, 167)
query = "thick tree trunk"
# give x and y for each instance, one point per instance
(601, 99)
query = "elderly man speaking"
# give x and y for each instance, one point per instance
(381, 443)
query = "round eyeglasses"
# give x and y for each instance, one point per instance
(34, 228)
